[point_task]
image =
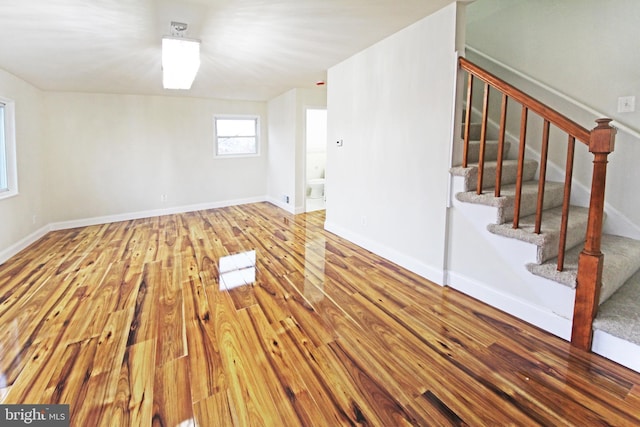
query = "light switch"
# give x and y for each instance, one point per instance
(626, 104)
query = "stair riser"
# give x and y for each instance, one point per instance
(490, 151)
(529, 203)
(548, 241)
(575, 236)
(474, 131)
(509, 175)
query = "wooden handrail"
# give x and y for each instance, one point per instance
(544, 111)
(600, 142)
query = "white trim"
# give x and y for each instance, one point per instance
(258, 132)
(431, 273)
(64, 225)
(23, 243)
(619, 125)
(616, 349)
(152, 213)
(306, 108)
(282, 205)
(10, 156)
(456, 120)
(535, 315)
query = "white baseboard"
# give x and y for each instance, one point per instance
(613, 348)
(23, 243)
(282, 205)
(434, 274)
(152, 213)
(33, 237)
(538, 316)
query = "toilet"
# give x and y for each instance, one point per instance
(316, 188)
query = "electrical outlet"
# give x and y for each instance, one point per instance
(626, 104)
(286, 199)
(163, 197)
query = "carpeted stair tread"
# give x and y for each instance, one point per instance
(620, 314)
(621, 261)
(547, 241)
(553, 197)
(509, 173)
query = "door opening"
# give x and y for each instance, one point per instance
(316, 158)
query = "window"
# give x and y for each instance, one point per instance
(8, 176)
(3, 152)
(236, 136)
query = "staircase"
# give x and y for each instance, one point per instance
(619, 297)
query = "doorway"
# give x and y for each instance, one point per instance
(316, 158)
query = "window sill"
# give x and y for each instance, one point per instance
(7, 194)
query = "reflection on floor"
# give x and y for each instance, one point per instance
(237, 270)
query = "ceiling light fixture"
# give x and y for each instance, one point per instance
(180, 58)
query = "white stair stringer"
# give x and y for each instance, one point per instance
(492, 269)
(487, 267)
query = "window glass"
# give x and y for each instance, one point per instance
(3, 151)
(236, 136)
(8, 171)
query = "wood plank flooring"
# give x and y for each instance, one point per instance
(127, 324)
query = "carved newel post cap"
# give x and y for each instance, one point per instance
(603, 122)
(602, 137)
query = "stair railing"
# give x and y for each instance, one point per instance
(600, 141)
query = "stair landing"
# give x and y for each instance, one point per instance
(620, 314)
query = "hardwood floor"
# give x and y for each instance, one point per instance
(127, 324)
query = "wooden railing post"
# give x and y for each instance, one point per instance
(589, 280)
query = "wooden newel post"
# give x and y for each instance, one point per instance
(589, 280)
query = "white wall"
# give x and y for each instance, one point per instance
(392, 105)
(117, 154)
(17, 213)
(587, 51)
(586, 48)
(286, 171)
(282, 151)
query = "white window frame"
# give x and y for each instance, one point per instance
(217, 117)
(8, 165)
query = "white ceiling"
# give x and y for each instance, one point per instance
(251, 49)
